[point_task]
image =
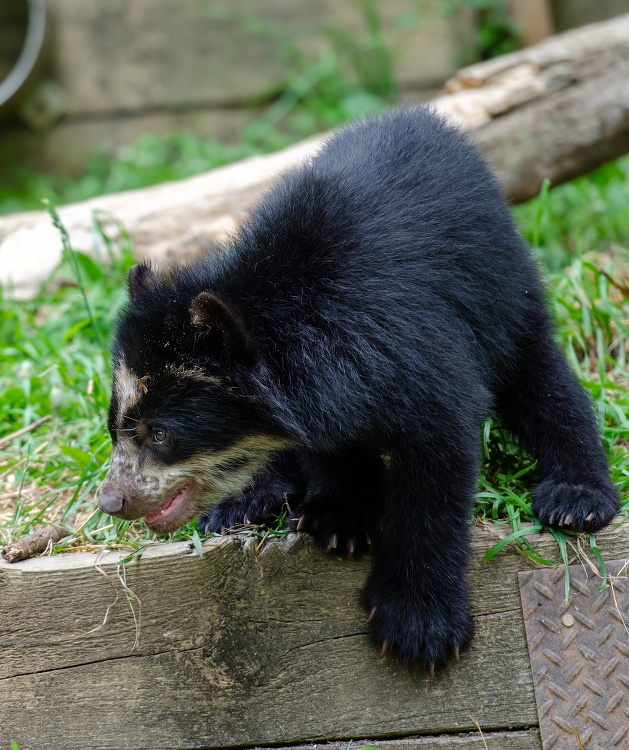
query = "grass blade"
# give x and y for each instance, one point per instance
(490, 554)
(599, 558)
(563, 550)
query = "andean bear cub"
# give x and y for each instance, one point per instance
(340, 354)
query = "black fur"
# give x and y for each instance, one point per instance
(384, 304)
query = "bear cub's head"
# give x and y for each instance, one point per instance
(185, 427)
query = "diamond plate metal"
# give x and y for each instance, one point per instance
(579, 651)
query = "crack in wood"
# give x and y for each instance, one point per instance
(109, 659)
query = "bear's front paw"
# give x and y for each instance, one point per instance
(431, 629)
(587, 506)
(235, 511)
(337, 527)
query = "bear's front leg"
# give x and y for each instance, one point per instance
(276, 488)
(342, 507)
(416, 594)
(546, 406)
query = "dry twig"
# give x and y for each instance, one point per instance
(480, 731)
(23, 430)
(30, 545)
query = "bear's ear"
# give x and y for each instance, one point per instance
(208, 311)
(141, 278)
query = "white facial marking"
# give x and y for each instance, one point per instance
(231, 470)
(128, 391)
(215, 474)
(147, 483)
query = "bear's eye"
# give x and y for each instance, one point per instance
(160, 436)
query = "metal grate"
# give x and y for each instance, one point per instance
(579, 651)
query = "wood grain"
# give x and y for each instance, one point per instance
(241, 648)
(523, 740)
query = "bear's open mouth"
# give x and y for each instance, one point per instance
(172, 507)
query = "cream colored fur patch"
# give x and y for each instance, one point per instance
(128, 391)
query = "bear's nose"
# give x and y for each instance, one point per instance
(110, 502)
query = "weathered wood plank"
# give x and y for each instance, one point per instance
(524, 740)
(241, 648)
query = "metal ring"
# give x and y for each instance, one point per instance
(29, 55)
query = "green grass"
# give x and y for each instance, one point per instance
(589, 213)
(575, 230)
(55, 361)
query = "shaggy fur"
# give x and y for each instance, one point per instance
(374, 308)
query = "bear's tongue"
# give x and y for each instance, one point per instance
(171, 506)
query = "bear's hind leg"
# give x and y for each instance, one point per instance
(546, 406)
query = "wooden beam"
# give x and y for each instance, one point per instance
(527, 739)
(244, 647)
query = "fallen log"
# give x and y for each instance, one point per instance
(554, 110)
